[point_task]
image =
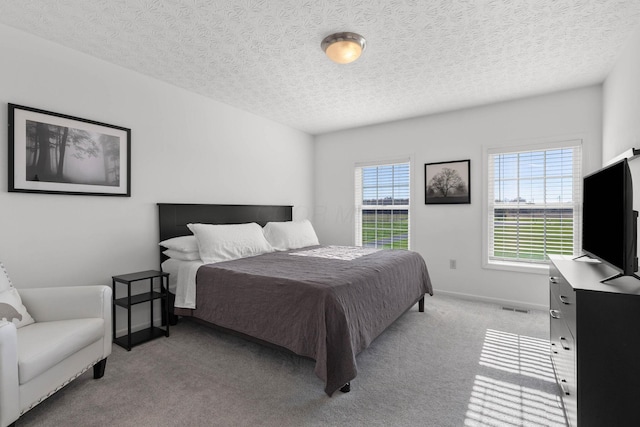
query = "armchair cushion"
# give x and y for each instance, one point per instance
(43, 345)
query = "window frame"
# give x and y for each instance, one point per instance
(547, 145)
(358, 195)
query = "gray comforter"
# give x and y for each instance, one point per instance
(325, 309)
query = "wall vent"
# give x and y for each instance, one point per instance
(516, 309)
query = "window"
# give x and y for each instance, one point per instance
(382, 205)
(534, 199)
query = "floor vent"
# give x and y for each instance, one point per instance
(517, 310)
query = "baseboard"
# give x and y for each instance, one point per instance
(498, 301)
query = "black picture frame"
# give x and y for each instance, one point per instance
(447, 182)
(83, 157)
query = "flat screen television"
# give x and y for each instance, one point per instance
(608, 219)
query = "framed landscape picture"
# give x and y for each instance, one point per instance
(447, 182)
(59, 154)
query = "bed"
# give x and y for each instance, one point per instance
(322, 302)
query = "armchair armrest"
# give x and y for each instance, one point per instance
(9, 394)
(68, 302)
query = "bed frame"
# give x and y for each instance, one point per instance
(174, 217)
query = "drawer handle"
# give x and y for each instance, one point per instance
(554, 314)
(563, 386)
(563, 341)
(553, 279)
(564, 300)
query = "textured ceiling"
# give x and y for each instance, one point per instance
(422, 57)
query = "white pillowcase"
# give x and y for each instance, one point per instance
(182, 256)
(11, 307)
(182, 244)
(224, 242)
(290, 234)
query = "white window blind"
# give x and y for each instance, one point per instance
(382, 193)
(534, 203)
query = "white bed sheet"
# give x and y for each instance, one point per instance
(182, 280)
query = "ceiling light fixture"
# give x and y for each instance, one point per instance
(343, 48)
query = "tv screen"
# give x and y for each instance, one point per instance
(608, 218)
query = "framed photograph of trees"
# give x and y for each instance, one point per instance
(59, 154)
(447, 182)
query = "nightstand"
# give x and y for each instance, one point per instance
(131, 339)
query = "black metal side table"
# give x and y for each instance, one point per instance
(131, 339)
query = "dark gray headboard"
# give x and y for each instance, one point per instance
(174, 217)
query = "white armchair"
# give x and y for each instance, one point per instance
(72, 333)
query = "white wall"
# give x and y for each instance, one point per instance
(621, 103)
(445, 232)
(185, 148)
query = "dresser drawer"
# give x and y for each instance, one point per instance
(562, 349)
(563, 357)
(563, 300)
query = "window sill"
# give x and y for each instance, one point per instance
(519, 267)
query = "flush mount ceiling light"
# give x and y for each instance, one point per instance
(343, 48)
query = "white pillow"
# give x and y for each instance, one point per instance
(11, 307)
(182, 256)
(290, 234)
(224, 242)
(182, 244)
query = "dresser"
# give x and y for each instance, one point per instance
(595, 342)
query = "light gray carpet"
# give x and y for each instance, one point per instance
(461, 363)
